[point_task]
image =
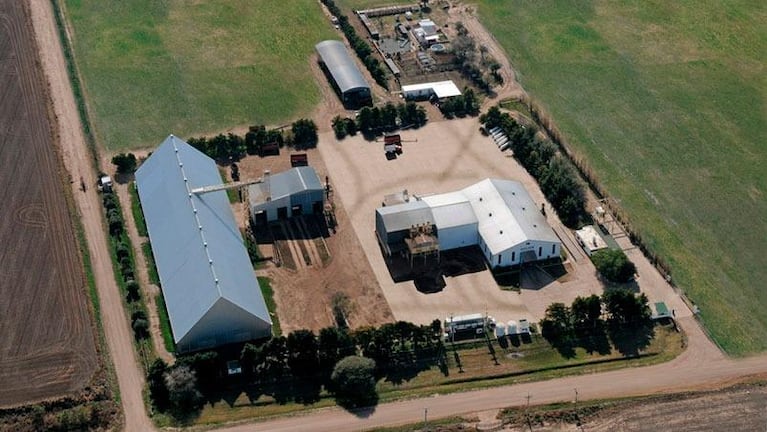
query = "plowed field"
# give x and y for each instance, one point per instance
(46, 338)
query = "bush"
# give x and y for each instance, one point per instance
(125, 163)
(140, 328)
(304, 133)
(354, 381)
(614, 265)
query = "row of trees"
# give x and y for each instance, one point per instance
(232, 147)
(121, 248)
(465, 51)
(461, 105)
(556, 176)
(587, 323)
(363, 50)
(372, 121)
(297, 366)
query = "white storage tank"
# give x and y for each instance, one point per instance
(511, 327)
(500, 330)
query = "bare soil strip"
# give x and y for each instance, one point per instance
(45, 323)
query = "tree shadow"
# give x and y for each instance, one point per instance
(630, 340)
(362, 407)
(595, 341)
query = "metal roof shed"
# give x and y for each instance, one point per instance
(210, 289)
(344, 71)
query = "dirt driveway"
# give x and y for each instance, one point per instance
(447, 156)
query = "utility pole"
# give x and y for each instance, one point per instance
(527, 413)
(425, 415)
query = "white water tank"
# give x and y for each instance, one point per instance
(500, 330)
(511, 327)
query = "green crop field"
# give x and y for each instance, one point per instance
(667, 100)
(151, 68)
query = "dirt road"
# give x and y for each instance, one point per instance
(78, 161)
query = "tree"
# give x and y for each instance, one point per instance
(275, 356)
(339, 127)
(366, 121)
(628, 319)
(614, 265)
(125, 163)
(132, 290)
(140, 328)
(302, 353)
(389, 116)
(158, 390)
(183, 395)
(625, 308)
(354, 381)
(587, 312)
(351, 126)
(557, 328)
(333, 344)
(557, 323)
(304, 133)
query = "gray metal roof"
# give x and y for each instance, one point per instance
(402, 216)
(200, 256)
(285, 184)
(341, 66)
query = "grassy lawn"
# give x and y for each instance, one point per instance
(135, 208)
(268, 293)
(152, 68)
(667, 102)
(167, 332)
(534, 361)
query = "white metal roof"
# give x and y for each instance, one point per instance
(199, 251)
(442, 89)
(507, 215)
(451, 209)
(403, 216)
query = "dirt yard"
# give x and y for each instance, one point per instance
(449, 155)
(304, 286)
(47, 347)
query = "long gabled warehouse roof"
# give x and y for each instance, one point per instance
(341, 66)
(204, 268)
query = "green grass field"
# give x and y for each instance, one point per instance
(667, 102)
(151, 68)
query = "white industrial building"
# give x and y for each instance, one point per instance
(497, 215)
(438, 89)
(210, 289)
(294, 192)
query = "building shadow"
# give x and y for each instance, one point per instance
(428, 272)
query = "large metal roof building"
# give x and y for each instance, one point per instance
(347, 76)
(211, 292)
(497, 215)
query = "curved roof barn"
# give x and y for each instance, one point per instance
(344, 71)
